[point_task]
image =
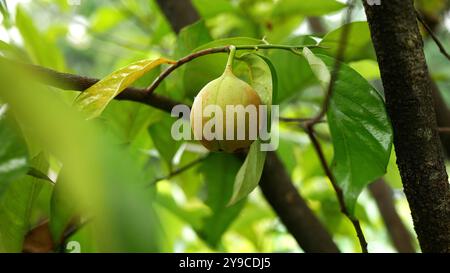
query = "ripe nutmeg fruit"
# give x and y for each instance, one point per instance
(228, 107)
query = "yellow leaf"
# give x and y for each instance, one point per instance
(95, 99)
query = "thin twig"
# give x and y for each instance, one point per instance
(433, 36)
(222, 49)
(180, 170)
(309, 126)
(337, 189)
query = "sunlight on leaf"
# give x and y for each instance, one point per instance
(95, 99)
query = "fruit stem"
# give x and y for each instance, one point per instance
(231, 56)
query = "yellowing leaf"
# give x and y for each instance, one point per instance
(95, 99)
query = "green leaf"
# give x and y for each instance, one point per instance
(128, 120)
(359, 43)
(163, 141)
(106, 18)
(191, 37)
(307, 8)
(367, 68)
(103, 177)
(208, 9)
(262, 76)
(193, 215)
(13, 153)
(95, 99)
(249, 174)
(219, 172)
(360, 129)
(16, 204)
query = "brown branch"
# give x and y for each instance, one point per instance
(337, 189)
(399, 234)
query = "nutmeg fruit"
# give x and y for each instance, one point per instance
(227, 90)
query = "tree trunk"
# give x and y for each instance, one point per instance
(409, 100)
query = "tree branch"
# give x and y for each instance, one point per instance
(433, 36)
(73, 82)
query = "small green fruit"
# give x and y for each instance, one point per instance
(226, 90)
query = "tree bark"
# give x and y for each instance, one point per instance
(409, 100)
(400, 236)
(180, 13)
(293, 211)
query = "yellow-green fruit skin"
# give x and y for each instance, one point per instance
(225, 90)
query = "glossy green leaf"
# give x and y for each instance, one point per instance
(308, 8)
(219, 172)
(361, 132)
(13, 153)
(16, 204)
(247, 179)
(367, 68)
(95, 99)
(359, 43)
(163, 140)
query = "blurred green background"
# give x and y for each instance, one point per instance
(131, 143)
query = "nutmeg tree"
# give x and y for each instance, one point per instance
(120, 167)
